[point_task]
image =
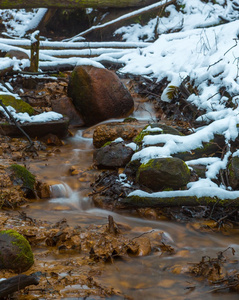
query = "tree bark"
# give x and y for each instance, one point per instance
(73, 3)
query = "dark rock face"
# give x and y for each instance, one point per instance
(162, 173)
(233, 172)
(99, 94)
(115, 155)
(15, 251)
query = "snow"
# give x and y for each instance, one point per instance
(24, 117)
(200, 41)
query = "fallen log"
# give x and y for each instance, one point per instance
(16, 283)
(159, 5)
(177, 201)
(72, 3)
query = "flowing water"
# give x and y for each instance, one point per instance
(151, 277)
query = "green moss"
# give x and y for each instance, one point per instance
(18, 104)
(139, 138)
(130, 120)
(106, 144)
(28, 179)
(25, 257)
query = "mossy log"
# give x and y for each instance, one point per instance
(156, 202)
(73, 3)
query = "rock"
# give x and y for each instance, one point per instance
(65, 107)
(162, 173)
(17, 53)
(43, 190)
(18, 104)
(109, 132)
(140, 247)
(37, 129)
(19, 175)
(155, 129)
(15, 252)
(212, 148)
(200, 170)
(115, 155)
(233, 172)
(99, 94)
(52, 139)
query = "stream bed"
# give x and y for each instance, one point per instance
(155, 276)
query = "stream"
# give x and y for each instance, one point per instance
(150, 277)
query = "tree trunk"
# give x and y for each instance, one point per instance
(73, 3)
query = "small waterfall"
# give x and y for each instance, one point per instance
(61, 190)
(63, 194)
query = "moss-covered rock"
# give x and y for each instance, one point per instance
(18, 104)
(162, 173)
(233, 172)
(15, 251)
(22, 177)
(155, 129)
(212, 148)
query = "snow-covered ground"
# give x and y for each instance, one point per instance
(199, 40)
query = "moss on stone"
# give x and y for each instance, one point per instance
(27, 178)
(24, 260)
(106, 144)
(18, 104)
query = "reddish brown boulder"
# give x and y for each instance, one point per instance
(99, 94)
(65, 107)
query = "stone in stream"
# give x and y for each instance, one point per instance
(99, 94)
(114, 155)
(127, 130)
(15, 251)
(162, 173)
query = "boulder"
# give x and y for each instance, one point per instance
(99, 94)
(233, 172)
(65, 107)
(162, 173)
(15, 252)
(109, 132)
(115, 155)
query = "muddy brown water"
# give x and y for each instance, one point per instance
(151, 277)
